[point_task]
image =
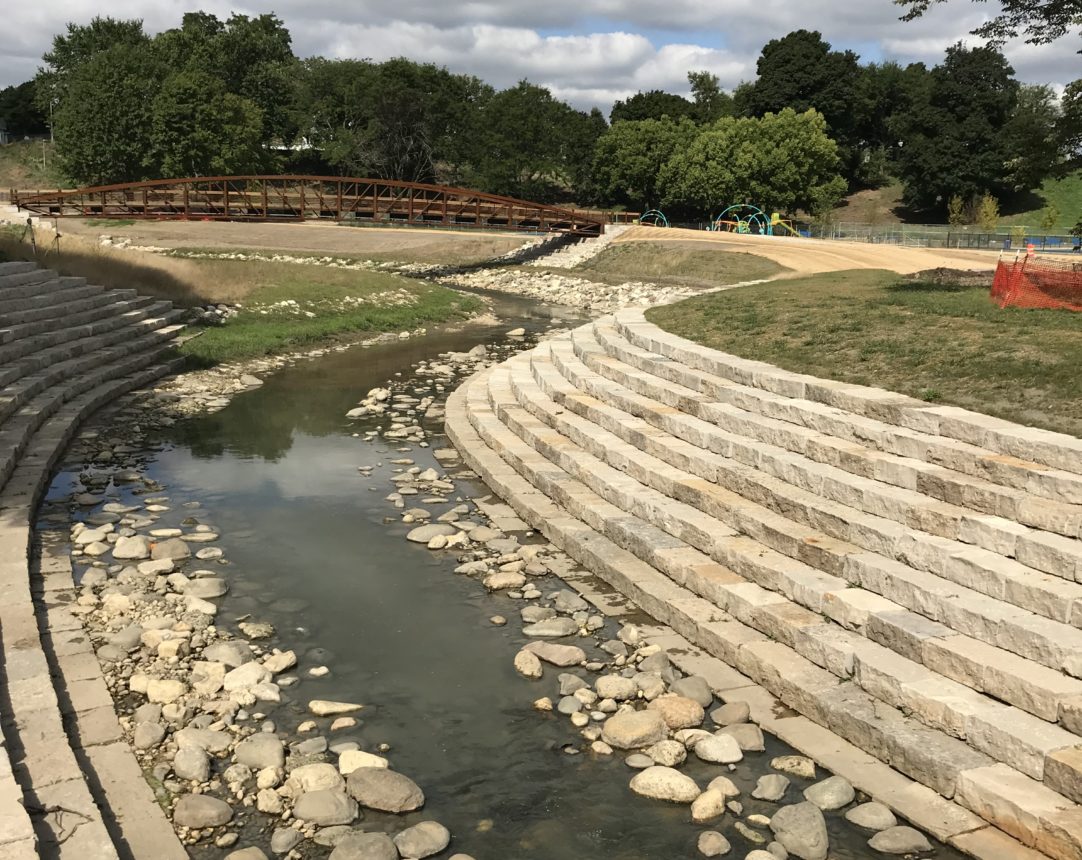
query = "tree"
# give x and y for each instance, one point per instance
(21, 111)
(1070, 121)
(1040, 20)
(1033, 138)
(200, 129)
(800, 71)
(956, 211)
(988, 213)
(103, 123)
(629, 157)
(75, 48)
(1050, 218)
(651, 105)
(710, 102)
(955, 134)
(781, 162)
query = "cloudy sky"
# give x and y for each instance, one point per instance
(589, 53)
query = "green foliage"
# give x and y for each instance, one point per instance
(654, 104)
(956, 211)
(987, 213)
(1039, 20)
(711, 103)
(1033, 138)
(630, 155)
(800, 71)
(1050, 218)
(21, 111)
(959, 136)
(1070, 121)
(199, 129)
(103, 123)
(783, 162)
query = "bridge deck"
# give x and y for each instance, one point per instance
(299, 198)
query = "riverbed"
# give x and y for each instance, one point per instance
(298, 494)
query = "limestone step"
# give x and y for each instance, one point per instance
(86, 302)
(48, 283)
(15, 267)
(504, 462)
(26, 346)
(821, 498)
(21, 275)
(875, 449)
(811, 461)
(128, 358)
(51, 356)
(1034, 689)
(44, 305)
(120, 303)
(51, 765)
(1055, 450)
(17, 394)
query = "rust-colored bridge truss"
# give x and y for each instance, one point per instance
(300, 198)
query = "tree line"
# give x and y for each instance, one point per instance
(216, 96)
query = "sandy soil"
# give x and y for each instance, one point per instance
(420, 245)
(812, 256)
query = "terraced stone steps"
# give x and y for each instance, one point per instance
(65, 350)
(851, 594)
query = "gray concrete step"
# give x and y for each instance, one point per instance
(1028, 444)
(48, 283)
(529, 481)
(56, 304)
(27, 274)
(86, 302)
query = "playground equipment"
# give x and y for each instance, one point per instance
(747, 219)
(654, 218)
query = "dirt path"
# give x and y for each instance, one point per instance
(406, 244)
(812, 256)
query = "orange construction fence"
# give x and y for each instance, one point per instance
(1029, 281)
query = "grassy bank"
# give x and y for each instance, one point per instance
(299, 306)
(940, 342)
(31, 164)
(674, 264)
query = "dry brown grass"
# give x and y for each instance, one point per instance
(183, 282)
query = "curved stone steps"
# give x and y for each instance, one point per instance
(121, 303)
(1046, 641)
(71, 350)
(973, 511)
(1041, 691)
(28, 346)
(1029, 810)
(879, 450)
(1028, 444)
(43, 295)
(15, 375)
(821, 497)
(47, 304)
(1002, 732)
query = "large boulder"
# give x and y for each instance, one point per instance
(259, 751)
(801, 830)
(422, 840)
(634, 730)
(385, 790)
(314, 777)
(326, 807)
(173, 548)
(678, 712)
(201, 810)
(665, 783)
(365, 846)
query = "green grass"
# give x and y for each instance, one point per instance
(328, 308)
(1065, 194)
(945, 343)
(672, 264)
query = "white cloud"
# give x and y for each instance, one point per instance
(587, 53)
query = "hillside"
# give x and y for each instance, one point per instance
(884, 205)
(21, 166)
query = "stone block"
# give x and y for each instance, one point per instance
(1063, 772)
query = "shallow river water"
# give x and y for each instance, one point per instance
(312, 551)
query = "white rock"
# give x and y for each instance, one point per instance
(665, 783)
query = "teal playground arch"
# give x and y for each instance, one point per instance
(654, 218)
(742, 218)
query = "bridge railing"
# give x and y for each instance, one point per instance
(299, 198)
